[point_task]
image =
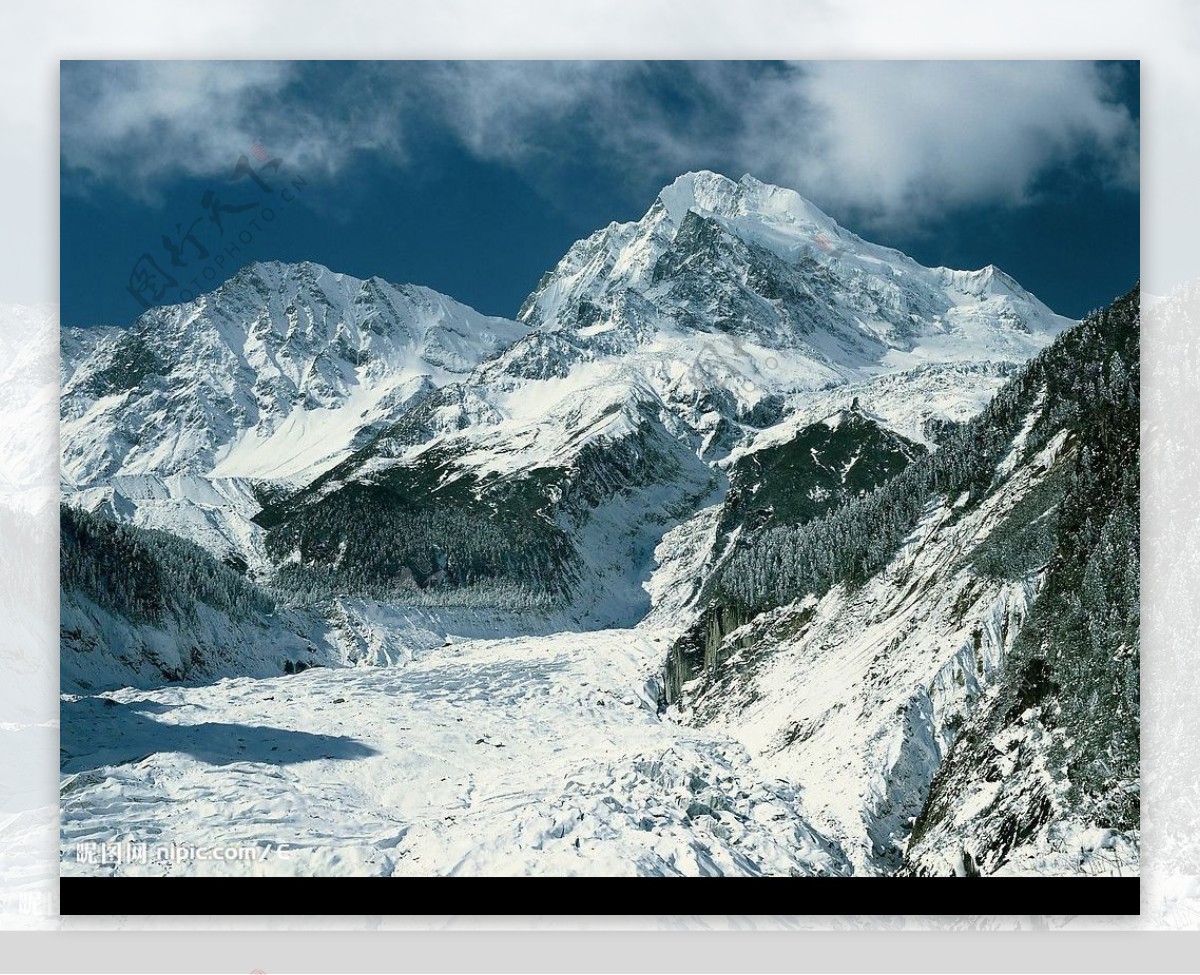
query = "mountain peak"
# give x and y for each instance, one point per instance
(761, 262)
(278, 271)
(282, 366)
(704, 190)
(270, 276)
(710, 193)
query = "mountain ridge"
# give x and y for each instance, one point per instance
(721, 312)
(749, 495)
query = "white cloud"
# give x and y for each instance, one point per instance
(895, 139)
(133, 123)
(884, 141)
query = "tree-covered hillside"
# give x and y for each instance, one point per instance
(1057, 391)
(1068, 700)
(146, 575)
(139, 606)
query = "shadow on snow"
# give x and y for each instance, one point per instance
(99, 731)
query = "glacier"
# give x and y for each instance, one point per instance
(464, 711)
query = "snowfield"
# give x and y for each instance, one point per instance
(542, 755)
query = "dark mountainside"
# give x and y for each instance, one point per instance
(1067, 703)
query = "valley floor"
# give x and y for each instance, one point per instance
(535, 755)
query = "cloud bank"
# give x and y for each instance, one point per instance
(888, 142)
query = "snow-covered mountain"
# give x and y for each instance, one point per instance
(272, 376)
(782, 466)
(760, 264)
(271, 379)
(951, 661)
(258, 420)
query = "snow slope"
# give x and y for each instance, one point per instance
(514, 757)
(860, 693)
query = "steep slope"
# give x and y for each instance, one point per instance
(844, 455)
(781, 484)
(273, 378)
(851, 650)
(657, 350)
(1045, 774)
(140, 607)
(447, 530)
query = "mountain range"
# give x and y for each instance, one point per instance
(824, 482)
(251, 418)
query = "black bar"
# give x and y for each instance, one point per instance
(816, 896)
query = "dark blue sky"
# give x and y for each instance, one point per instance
(475, 179)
